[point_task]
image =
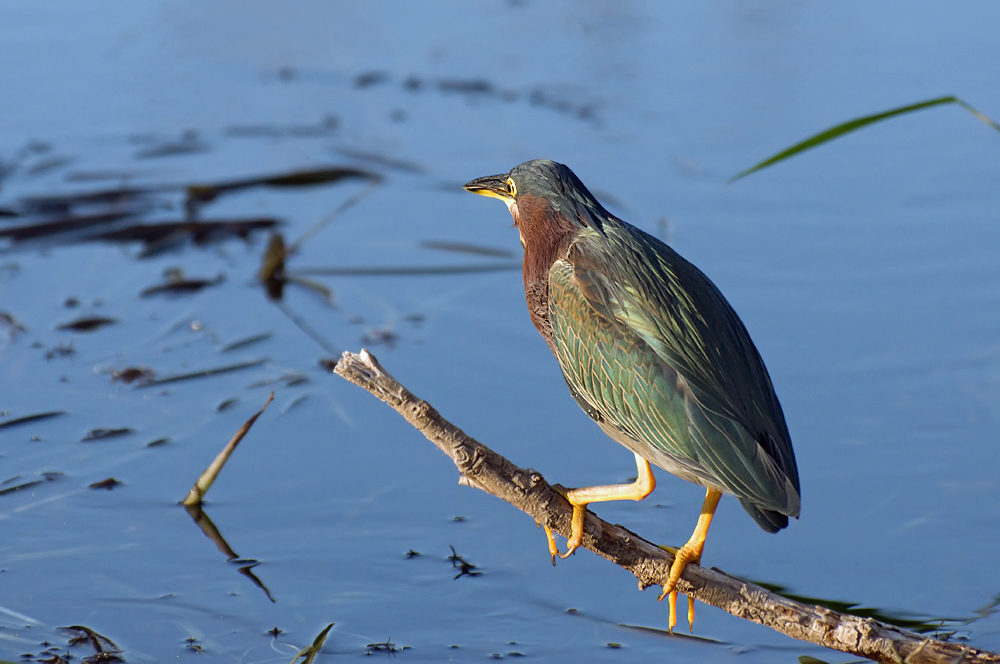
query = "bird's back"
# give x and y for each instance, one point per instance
(653, 351)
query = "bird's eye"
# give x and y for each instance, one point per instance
(512, 187)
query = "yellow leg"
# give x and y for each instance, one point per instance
(580, 498)
(690, 553)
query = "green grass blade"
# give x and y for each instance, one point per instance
(858, 123)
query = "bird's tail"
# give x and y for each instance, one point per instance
(769, 520)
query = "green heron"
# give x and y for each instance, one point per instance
(652, 352)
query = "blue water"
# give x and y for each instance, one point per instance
(865, 271)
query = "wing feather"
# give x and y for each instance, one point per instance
(648, 344)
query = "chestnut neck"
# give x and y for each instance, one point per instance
(546, 234)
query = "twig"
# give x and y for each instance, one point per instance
(528, 491)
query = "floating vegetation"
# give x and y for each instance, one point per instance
(378, 336)
(226, 405)
(465, 248)
(326, 126)
(177, 285)
(15, 488)
(108, 484)
(405, 271)
(133, 375)
(465, 567)
(112, 215)
(381, 160)
(161, 236)
(481, 88)
(87, 324)
(106, 651)
(202, 373)
(62, 350)
(105, 434)
(198, 194)
(388, 646)
(246, 341)
(187, 143)
(13, 327)
(37, 417)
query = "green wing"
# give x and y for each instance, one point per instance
(653, 351)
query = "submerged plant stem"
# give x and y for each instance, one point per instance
(201, 487)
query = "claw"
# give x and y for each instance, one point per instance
(553, 549)
(672, 604)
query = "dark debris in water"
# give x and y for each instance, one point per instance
(106, 651)
(177, 284)
(62, 350)
(465, 248)
(192, 644)
(381, 160)
(387, 647)
(377, 336)
(198, 194)
(370, 79)
(246, 341)
(187, 143)
(481, 88)
(105, 434)
(36, 417)
(87, 324)
(125, 200)
(226, 405)
(325, 127)
(13, 327)
(203, 373)
(75, 227)
(164, 236)
(118, 214)
(406, 270)
(108, 484)
(466, 568)
(133, 375)
(27, 484)
(289, 379)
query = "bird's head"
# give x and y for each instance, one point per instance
(543, 197)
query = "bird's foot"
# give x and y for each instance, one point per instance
(682, 556)
(575, 538)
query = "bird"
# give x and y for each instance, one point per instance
(653, 352)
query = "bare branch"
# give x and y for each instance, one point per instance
(528, 491)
